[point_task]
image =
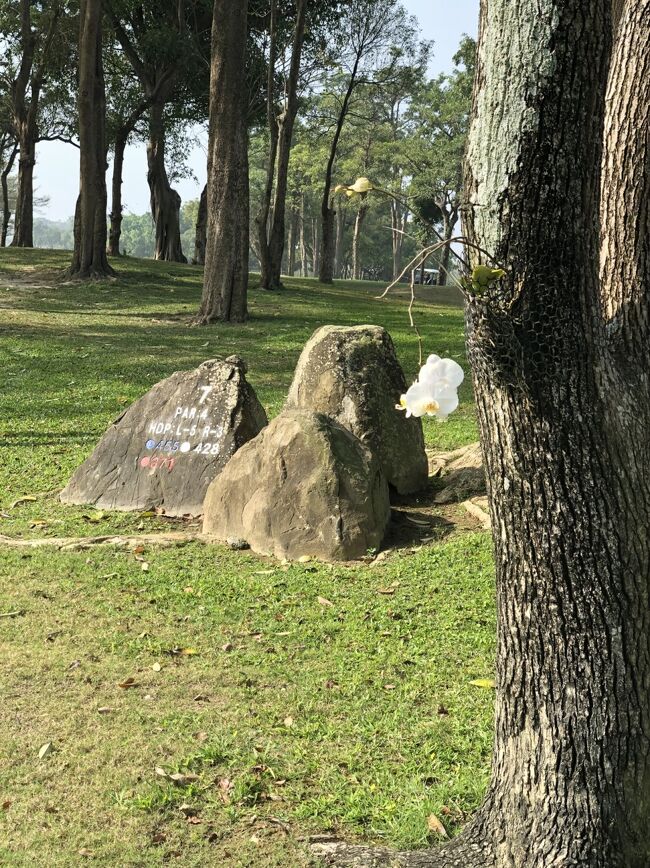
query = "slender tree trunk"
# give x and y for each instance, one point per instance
(165, 201)
(6, 212)
(303, 241)
(286, 123)
(559, 356)
(201, 228)
(356, 239)
(262, 220)
(226, 257)
(116, 195)
(326, 263)
(121, 140)
(449, 223)
(89, 257)
(315, 246)
(340, 239)
(291, 243)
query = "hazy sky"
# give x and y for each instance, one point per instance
(57, 164)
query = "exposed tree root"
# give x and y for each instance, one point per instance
(460, 853)
(76, 543)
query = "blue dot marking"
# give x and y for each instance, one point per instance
(151, 444)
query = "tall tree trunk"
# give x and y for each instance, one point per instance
(559, 356)
(303, 241)
(225, 284)
(315, 246)
(121, 139)
(89, 257)
(262, 222)
(23, 235)
(326, 263)
(399, 217)
(340, 239)
(356, 239)
(6, 212)
(286, 123)
(165, 201)
(450, 219)
(116, 195)
(201, 228)
(291, 243)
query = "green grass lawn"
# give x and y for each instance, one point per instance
(293, 716)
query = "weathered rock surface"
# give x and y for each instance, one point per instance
(166, 449)
(461, 472)
(353, 376)
(305, 486)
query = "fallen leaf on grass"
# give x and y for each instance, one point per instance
(104, 709)
(325, 602)
(389, 687)
(156, 667)
(27, 499)
(434, 825)
(45, 750)
(183, 779)
(227, 647)
(485, 683)
(128, 683)
(288, 721)
(144, 566)
(38, 522)
(6, 805)
(86, 852)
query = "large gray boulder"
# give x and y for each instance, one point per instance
(304, 486)
(166, 449)
(353, 376)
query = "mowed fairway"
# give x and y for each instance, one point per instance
(293, 699)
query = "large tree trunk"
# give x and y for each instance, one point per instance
(23, 235)
(339, 242)
(200, 236)
(89, 257)
(6, 210)
(225, 284)
(165, 201)
(559, 355)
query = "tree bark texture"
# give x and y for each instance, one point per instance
(225, 284)
(25, 98)
(304, 271)
(6, 211)
(165, 201)
(89, 257)
(201, 228)
(558, 186)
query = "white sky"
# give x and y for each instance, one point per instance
(57, 164)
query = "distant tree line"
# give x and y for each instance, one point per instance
(298, 97)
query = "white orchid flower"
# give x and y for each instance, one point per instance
(426, 399)
(441, 369)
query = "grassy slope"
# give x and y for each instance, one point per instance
(319, 716)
